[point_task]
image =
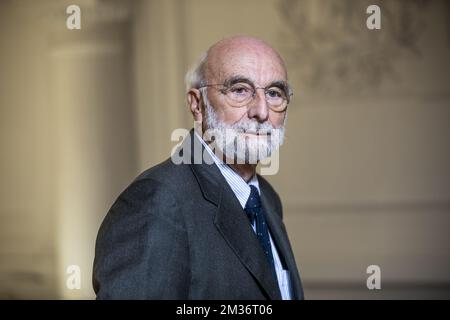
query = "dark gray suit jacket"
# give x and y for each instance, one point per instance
(179, 232)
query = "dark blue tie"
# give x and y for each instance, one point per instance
(255, 213)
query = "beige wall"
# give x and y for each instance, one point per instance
(68, 142)
(27, 246)
(364, 172)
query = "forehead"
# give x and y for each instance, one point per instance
(260, 66)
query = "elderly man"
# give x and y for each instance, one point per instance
(214, 229)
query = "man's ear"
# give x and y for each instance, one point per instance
(194, 101)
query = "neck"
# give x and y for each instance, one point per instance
(246, 171)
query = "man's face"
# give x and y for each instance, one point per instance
(260, 66)
(258, 129)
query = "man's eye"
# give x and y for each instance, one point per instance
(240, 90)
(274, 93)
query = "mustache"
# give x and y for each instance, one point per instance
(252, 126)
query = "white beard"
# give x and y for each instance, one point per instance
(231, 141)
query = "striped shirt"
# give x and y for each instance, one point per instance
(242, 191)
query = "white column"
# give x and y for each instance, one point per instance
(90, 75)
(159, 53)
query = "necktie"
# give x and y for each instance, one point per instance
(255, 214)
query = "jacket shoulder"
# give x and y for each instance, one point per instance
(167, 173)
(146, 215)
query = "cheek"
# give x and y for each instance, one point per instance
(230, 115)
(222, 112)
(277, 119)
(233, 115)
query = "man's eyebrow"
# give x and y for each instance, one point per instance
(279, 84)
(237, 79)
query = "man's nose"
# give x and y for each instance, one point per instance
(258, 108)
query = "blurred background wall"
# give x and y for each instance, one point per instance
(364, 174)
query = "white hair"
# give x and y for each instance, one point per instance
(195, 77)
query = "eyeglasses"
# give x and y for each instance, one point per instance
(241, 93)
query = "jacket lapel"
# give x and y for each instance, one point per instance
(234, 226)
